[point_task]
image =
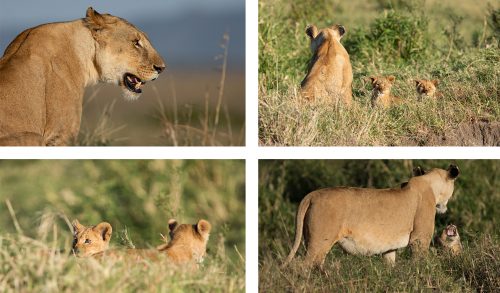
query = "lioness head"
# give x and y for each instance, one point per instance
(124, 55)
(187, 242)
(426, 87)
(90, 240)
(443, 186)
(334, 32)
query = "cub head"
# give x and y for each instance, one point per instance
(90, 240)
(124, 54)
(382, 84)
(426, 87)
(187, 242)
(450, 233)
(317, 38)
(443, 184)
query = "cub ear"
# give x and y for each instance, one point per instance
(203, 227)
(172, 224)
(105, 230)
(417, 82)
(77, 226)
(373, 79)
(418, 171)
(435, 82)
(391, 78)
(94, 19)
(453, 171)
(311, 31)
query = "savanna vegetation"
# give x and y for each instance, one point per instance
(40, 198)
(454, 42)
(474, 208)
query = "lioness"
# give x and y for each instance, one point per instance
(427, 88)
(329, 74)
(371, 221)
(46, 68)
(450, 240)
(88, 241)
(381, 92)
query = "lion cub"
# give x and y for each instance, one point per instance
(88, 241)
(450, 240)
(329, 74)
(187, 242)
(381, 92)
(427, 88)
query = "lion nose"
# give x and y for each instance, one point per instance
(159, 69)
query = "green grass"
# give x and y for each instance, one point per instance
(474, 208)
(137, 197)
(412, 41)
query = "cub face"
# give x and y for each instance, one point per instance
(382, 84)
(187, 242)
(88, 241)
(450, 239)
(426, 88)
(334, 32)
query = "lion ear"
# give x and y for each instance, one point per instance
(372, 79)
(311, 31)
(77, 226)
(203, 227)
(172, 224)
(94, 19)
(391, 78)
(417, 82)
(105, 230)
(453, 171)
(435, 82)
(418, 171)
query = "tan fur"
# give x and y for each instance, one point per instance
(370, 221)
(46, 68)
(89, 241)
(450, 240)
(188, 242)
(329, 75)
(427, 88)
(381, 92)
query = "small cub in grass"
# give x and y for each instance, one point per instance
(427, 88)
(329, 74)
(88, 241)
(450, 240)
(381, 92)
(188, 243)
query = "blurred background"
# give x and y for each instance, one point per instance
(137, 197)
(197, 39)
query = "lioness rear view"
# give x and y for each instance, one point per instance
(46, 69)
(373, 221)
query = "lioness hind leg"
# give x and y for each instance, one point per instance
(317, 251)
(22, 139)
(390, 257)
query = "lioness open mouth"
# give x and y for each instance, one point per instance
(133, 83)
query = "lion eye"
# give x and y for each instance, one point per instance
(88, 241)
(137, 43)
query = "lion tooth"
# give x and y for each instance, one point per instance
(129, 78)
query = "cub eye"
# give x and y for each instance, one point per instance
(137, 43)
(88, 241)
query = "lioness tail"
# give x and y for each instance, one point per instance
(299, 224)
